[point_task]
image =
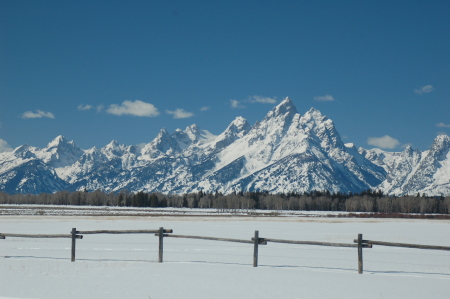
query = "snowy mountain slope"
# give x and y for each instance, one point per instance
(30, 174)
(432, 175)
(284, 152)
(59, 153)
(306, 149)
(412, 171)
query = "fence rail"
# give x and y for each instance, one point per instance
(161, 233)
(216, 239)
(417, 246)
(314, 243)
(142, 231)
(3, 236)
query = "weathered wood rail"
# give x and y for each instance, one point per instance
(162, 233)
(407, 245)
(3, 236)
(142, 231)
(214, 239)
(313, 243)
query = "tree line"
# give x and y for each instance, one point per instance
(367, 201)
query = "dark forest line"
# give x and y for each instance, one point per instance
(367, 201)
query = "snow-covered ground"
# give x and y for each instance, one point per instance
(125, 266)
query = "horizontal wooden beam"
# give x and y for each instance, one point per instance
(38, 236)
(164, 235)
(123, 231)
(312, 243)
(418, 246)
(214, 239)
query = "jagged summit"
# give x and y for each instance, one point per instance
(163, 134)
(441, 142)
(112, 144)
(197, 135)
(239, 121)
(314, 115)
(57, 141)
(285, 108)
(238, 126)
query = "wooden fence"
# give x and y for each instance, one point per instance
(161, 233)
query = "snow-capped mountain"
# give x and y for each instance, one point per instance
(284, 152)
(412, 171)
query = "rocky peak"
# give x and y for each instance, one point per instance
(60, 152)
(285, 108)
(57, 142)
(317, 124)
(314, 116)
(113, 149)
(24, 151)
(440, 147)
(410, 152)
(197, 135)
(163, 143)
(239, 126)
(113, 144)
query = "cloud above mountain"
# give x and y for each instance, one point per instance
(180, 113)
(85, 107)
(325, 98)
(442, 125)
(37, 114)
(235, 104)
(256, 99)
(4, 146)
(262, 100)
(136, 108)
(383, 142)
(424, 89)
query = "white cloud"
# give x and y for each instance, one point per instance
(325, 98)
(383, 142)
(136, 108)
(260, 99)
(180, 113)
(37, 114)
(4, 146)
(85, 107)
(205, 108)
(236, 104)
(442, 125)
(424, 89)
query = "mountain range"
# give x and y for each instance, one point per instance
(284, 152)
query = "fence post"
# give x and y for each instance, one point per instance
(161, 238)
(255, 251)
(74, 237)
(360, 252)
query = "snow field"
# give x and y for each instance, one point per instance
(125, 266)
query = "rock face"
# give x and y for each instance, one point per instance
(412, 171)
(285, 152)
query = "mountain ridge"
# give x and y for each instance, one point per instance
(284, 152)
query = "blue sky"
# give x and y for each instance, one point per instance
(96, 71)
